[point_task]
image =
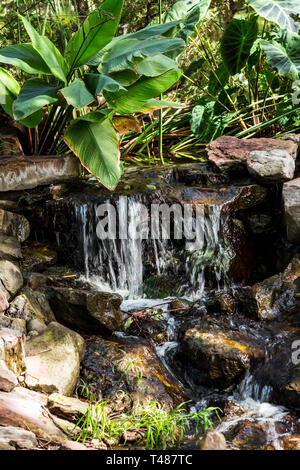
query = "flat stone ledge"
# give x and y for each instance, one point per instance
(19, 173)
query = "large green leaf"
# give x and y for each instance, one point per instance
(278, 11)
(96, 145)
(137, 95)
(33, 96)
(25, 57)
(283, 54)
(189, 13)
(97, 83)
(157, 65)
(151, 31)
(97, 30)
(48, 51)
(123, 54)
(9, 90)
(237, 42)
(77, 94)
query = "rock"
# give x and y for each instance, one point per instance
(274, 166)
(213, 440)
(274, 296)
(11, 276)
(12, 350)
(290, 442)
(18, 437)
(86, 308)
(5, 446)
(8, 380)
(37, 257)
(23, 409)
(4, 297)
(113, 367)
(71, 445)
(35, 280)
(249, 436)
(219, 356)
(53, 360)
(230, 154)
(31, 305)
(14, 225)
(10, 142)
(30, 172)
(65, 407)
(291, 198)
(17, 324)
(10, 247)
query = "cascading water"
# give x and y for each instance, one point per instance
(117, 263)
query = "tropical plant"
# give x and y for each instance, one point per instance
(247, 92)
(90, 92)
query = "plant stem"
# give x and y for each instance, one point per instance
(160, 111)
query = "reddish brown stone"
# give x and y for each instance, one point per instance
(230, 154)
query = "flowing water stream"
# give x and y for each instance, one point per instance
(128, 265)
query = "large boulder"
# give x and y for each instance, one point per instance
(53, 360)
(218, 357)
(24, 409)
(273, 166)
(111, 367)
(11, 276)
(14, 225)
(230, 154)
(291, 198)
(86, 308)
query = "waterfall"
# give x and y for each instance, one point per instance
(117, 263)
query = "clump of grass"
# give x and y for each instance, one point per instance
(157, 427)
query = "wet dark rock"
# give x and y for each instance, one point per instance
(272, 297)
(220, 356)
(86, 308)
(37, 257)
(249, 436)
(111, 367)
(291, 198)
(14, 225)
(230, 154)
(291, 442)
